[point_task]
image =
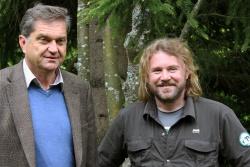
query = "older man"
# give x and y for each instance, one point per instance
(46, 114)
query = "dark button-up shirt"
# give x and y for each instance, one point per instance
(207, 133)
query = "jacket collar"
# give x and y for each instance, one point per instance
(72, 97)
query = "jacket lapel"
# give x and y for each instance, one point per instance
(18, 98)
(72, 97)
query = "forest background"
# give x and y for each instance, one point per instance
(107, 38)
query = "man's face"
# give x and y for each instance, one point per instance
(167, 78)
(45, 48)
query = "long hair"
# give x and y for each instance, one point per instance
(175, 47)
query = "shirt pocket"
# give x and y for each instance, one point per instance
(203, 153)
(139, 152)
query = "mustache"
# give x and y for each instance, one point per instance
(166, 83)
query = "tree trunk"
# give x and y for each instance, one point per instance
(82, 46)
(90, 60)
(97, 78)
(115, 97)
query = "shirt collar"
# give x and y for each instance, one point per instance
(150, 109)
(29, 76)
(188, 109)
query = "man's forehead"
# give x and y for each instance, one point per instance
(54, 24)
(53, 29)
(165, 56)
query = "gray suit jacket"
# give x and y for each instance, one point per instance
(16, 132)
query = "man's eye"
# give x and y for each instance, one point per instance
(173, 69)
(43, 40)
(156, 71)
(61, 41)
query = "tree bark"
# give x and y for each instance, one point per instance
(90, 58)
(82, 46)
(97, 78)
(115, 97)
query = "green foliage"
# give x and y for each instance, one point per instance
(158, 7)
(153, 19)
(225, 76)
(219, 33)
(102, 9)
(193, 22)
(70, 60)
(153, 14)
(240, 18)
(9, 32)
(185, 5)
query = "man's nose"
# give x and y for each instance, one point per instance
(165, 75)
(53, 47)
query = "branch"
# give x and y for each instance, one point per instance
(193, 13)
(223, 16)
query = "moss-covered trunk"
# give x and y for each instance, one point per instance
(115, 97)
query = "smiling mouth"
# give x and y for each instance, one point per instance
(166, 85)
(51, 57)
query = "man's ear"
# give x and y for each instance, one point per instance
(22, 42)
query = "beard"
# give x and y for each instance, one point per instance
(167, 92)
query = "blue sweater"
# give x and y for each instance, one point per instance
(52, 129)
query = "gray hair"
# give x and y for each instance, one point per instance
(43, 12)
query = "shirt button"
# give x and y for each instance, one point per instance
(163, 134)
